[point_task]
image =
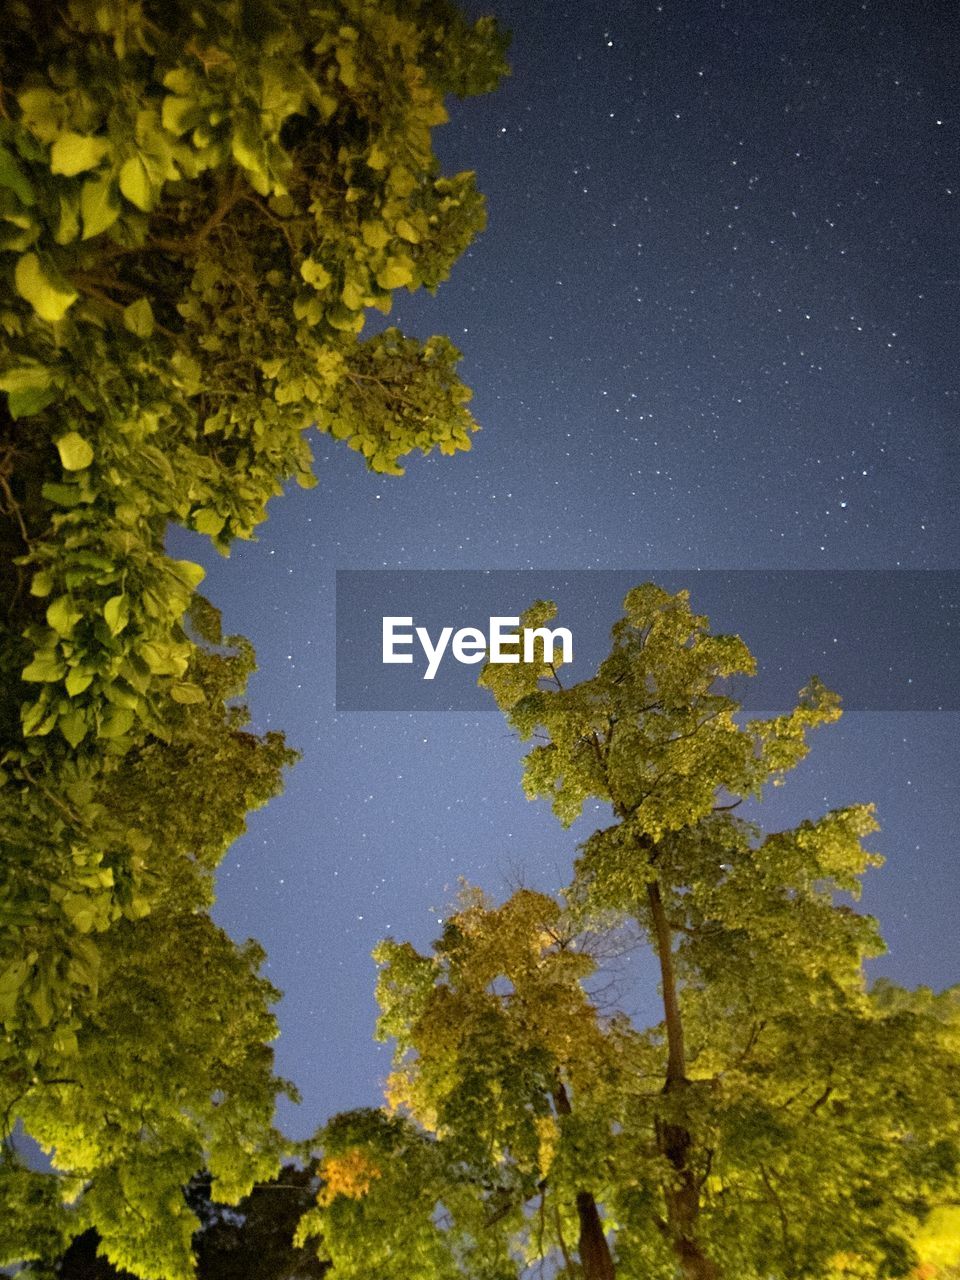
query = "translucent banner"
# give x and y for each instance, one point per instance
(885, 640)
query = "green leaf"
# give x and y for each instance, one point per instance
(160, 658)
(246, 145)
(135, 184)
(44, 669)
(352, 295)
(84, 964)
(43, 287)
(137, 907)
(68, 224)
(315, 274)
(345, 320)
(64, 495)
(77, 680)
(22, 404)
(397, 273)
(208, 521)
(116, 722)
(80, 911)
(29, 389)
(16, 241)
(374, 234)
(75, 452)
(63, 615)
(189, 573)
(73, 726)
(36, 718)
(99, 205)
(138, 318)
(187, 370)
(187, 693)
(74, 153)
(407, 231)
(116, 613)
(179, 114)
(13, 177)
(39, 999)
(13, 976)
(26, 377)
(42, 583)
(65, 1041)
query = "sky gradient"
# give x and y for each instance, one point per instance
(712, 324)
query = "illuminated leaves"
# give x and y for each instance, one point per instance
(192, 232)
(813, 1122)
(73, 153)
(159, 1019)
(138, 318)
(29, 389)
(247, 268)
(40, 284)
(652, 733)
(75, 452)
(351, 1174)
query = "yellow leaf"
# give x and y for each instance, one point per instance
(408, 232)
(99, 206)
(63, 615)
(138, 318)
(187, 694)
(116, 614)
(352, 295)
(136, 185)
(75, 452)
(397, 272)
(74, 153)
(350, 1174)
(47, 292)
(375, 234)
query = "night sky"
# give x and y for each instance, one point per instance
(712, 324)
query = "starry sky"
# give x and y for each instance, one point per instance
(712, 324)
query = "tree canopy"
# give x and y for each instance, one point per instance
(252, 1240)
(199, 204)
(782, 1119)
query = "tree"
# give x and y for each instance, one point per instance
(163, 1067)
(252, 1240)
(198, 205)
(782, 1120)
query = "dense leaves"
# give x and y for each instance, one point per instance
(782, 1120)
(136, 1048)
(252, 1240)
(199, 204)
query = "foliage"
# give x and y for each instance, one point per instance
(394, 1205)
(782, 1120)
(252, 1240)
(198, 205)
(171, 164)
(162, 1066)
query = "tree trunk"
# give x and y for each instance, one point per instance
(595, 1257)
(682, 1197)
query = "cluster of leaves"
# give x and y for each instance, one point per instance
(136, 1045)
(198, 205)
(782, 1120)
(252, 1240)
